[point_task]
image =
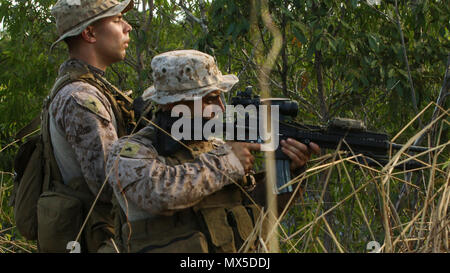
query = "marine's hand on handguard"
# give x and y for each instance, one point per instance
(298, 152)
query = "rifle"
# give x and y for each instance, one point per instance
(373, 146)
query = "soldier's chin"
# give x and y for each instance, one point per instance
(122, 55)
(117, 58)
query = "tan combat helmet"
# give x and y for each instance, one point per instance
(73, 16)
(185, 74)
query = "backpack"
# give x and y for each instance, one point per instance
(32, 170)
(28, 181)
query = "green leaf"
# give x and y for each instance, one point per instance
(311, 49)
(352, 46)
(391, 73)
(390, 83)
(301, 26)
(333, 43)
(345, 24)
(299, 35)
(373, 43)
(403, 73)
(319, 44)
(231, 28)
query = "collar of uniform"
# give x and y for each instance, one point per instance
(96, 70)
(78, 62)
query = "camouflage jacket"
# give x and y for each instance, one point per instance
(82, 129)
(147, 184)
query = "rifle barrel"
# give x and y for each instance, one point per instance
(417, 149)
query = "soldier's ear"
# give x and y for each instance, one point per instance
(88, 34)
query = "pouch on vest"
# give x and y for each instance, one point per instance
(185, 243)
(29, 169)
(165, 234)
(99, 227)
(60, 218)
(220, 232)
(79, 199)
(244, 224)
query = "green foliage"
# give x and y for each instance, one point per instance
(338, 58)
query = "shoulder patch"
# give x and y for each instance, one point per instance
(130, 150)
(91, 103)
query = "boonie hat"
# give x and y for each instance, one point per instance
(185, 74)
(73, 16)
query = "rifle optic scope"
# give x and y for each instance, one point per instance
(287, 107)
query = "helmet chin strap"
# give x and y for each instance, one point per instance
(222, 97)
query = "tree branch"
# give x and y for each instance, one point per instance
(442, 94)
(148, 20)
(413, 92)
(294, 94)
(439, 103)
(320, 86)
(192, 17)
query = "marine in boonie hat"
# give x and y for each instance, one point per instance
(185, 74)
(73, 16)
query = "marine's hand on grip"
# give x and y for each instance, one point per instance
(298, 152)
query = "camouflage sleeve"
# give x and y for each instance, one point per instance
(149, 183)
(83, 114)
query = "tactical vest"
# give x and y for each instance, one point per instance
(59, 210)
(221, 223)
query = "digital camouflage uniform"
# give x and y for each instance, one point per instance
(157, 186)
(83, 127)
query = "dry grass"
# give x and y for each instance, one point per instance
(365, 210)
(346, 205)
